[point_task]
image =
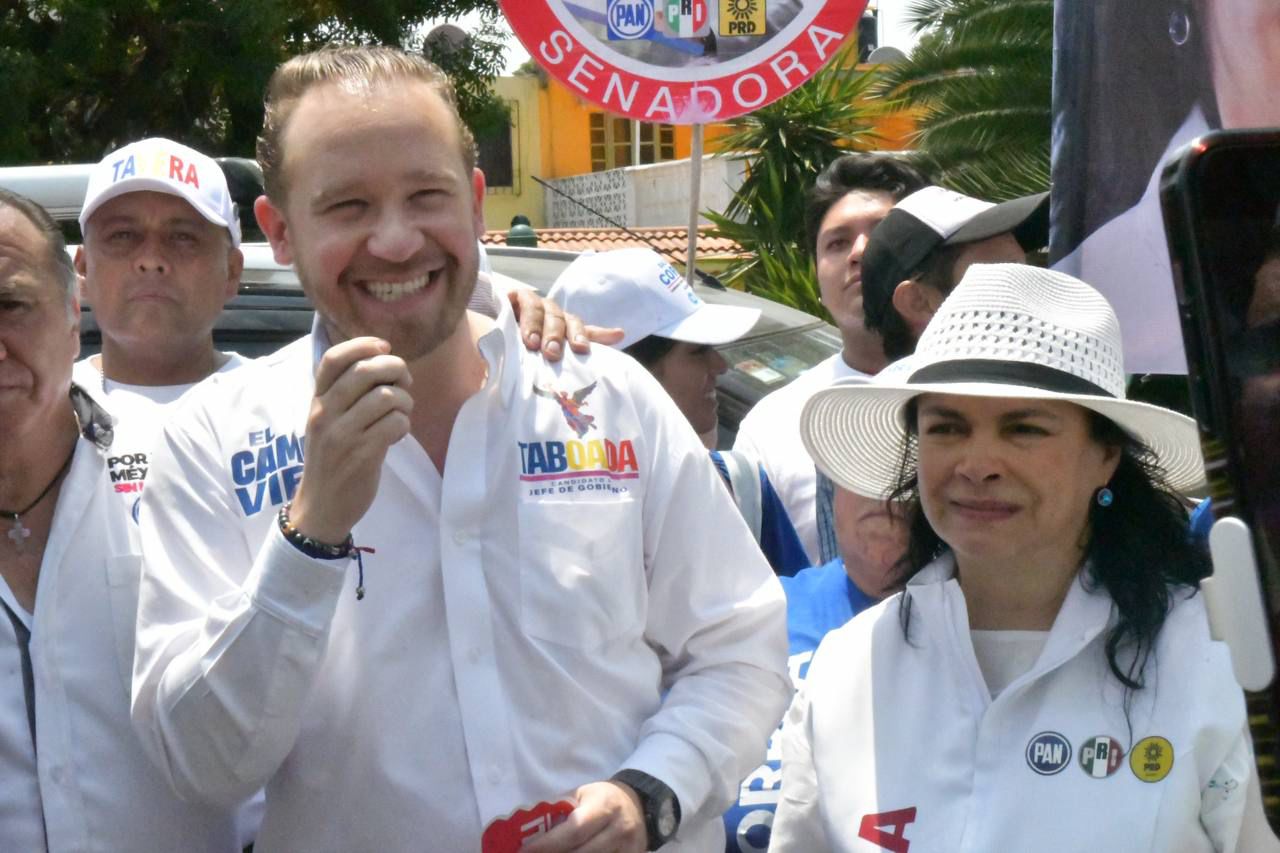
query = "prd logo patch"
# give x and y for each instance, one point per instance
(629, 19)
(743, 17)
(1101, 756)
(1048, 753)
(1151, 758)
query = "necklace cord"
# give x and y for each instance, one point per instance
(15, 515)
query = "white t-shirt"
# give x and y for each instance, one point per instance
(771, 433)
(139, 416)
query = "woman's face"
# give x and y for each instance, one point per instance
(688, 373)
(1009, 482)
(1244, 58)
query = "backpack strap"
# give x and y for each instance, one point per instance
(744, 482)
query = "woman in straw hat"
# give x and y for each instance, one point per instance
(1046, 681)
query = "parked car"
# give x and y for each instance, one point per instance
(271, 310)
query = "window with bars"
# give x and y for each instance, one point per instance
(611, 141)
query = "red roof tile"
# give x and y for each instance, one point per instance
(665, 240)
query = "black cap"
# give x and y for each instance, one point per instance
(934, 217)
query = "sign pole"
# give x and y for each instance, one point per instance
(695, 196)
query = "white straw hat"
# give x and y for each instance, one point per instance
(163, 166)
(1006, 330)
(637, 290)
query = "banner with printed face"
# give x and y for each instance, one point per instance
(682, 61)
(1134, 81)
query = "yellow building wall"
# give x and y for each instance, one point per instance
(529, 137)
(551, 138)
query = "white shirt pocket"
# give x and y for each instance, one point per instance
(582, 577)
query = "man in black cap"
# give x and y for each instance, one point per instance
(923, 247)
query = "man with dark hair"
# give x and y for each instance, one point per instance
(73, 776)
(490, 588)
(847, 201)
(923, 247)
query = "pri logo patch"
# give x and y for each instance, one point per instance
(571, 406)
(1101, 756)
(1151, 758)
(686, 18)
(1048, 753)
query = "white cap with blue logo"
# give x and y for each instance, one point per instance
(637, 290)
(164, 166)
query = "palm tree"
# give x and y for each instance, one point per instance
(785, 145)
(980, 81)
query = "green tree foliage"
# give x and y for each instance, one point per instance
(981, 81)
(84, 76)
(785, 145)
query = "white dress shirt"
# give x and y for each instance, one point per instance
(86, 784)
(553, 608)
(771, 433)
(891, 741)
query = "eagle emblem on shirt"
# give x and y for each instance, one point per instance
(571, 406)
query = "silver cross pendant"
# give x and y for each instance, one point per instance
(18, 533)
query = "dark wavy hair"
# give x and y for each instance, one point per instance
(1139, 549)
(650, 350)
(860, 171)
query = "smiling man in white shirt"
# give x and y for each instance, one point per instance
(542, 615)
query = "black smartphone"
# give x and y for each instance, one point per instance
(1221, 201)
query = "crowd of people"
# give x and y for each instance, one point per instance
(429, 579)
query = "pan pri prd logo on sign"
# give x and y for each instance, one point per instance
(629, 19)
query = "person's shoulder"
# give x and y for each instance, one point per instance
(244, 384)
(857, 632)
(790, 398)
(815, 580)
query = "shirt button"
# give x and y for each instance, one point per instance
(460, 537)
(475, 656)
(57, 775)
(495, 775)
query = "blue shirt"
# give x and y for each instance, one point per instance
(778, 538)
(819, 600)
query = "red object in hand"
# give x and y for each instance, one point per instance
(507, 834)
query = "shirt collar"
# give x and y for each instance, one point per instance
(95, 424)
(1084, 613)
(500, 347)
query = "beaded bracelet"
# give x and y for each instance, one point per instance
(313, 547)
(324, 551)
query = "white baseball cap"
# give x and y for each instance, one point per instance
(163, 166)
(637, 290)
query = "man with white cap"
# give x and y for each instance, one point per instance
(673, 332)
(923, 247)
(160, 259)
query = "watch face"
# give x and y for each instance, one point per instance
(666, 818)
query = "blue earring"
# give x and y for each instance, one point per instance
(1104, 497)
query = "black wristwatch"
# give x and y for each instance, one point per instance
(659, 803)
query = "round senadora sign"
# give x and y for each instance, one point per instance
(682, 61)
